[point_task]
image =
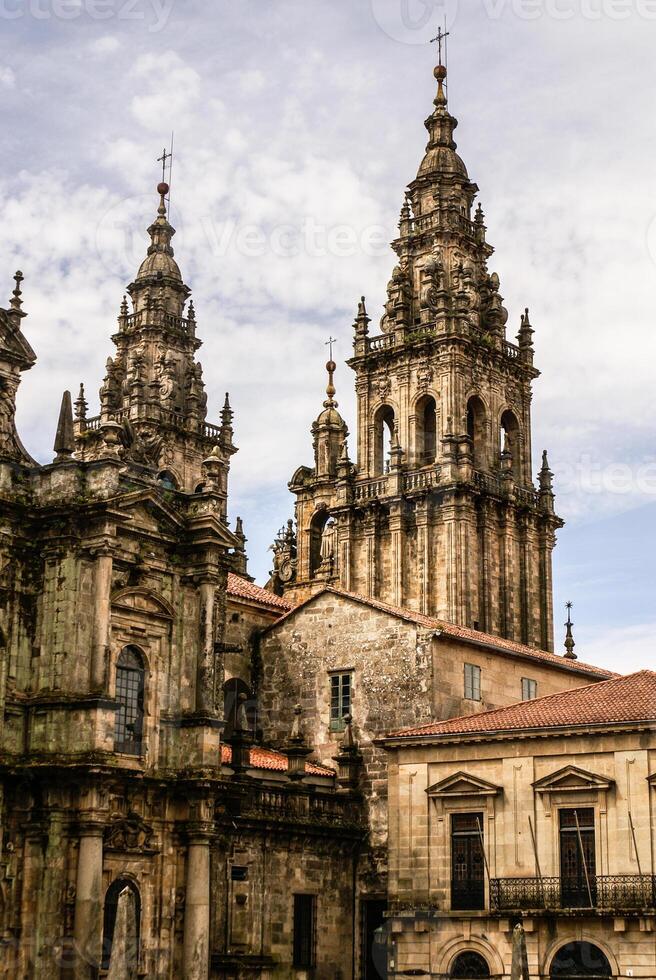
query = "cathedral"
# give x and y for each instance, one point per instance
(205, 778)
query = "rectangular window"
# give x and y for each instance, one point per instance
(472, 682)
(529, 689)
(304, 931)
(467, 862)
(341, 688)
(578, 860)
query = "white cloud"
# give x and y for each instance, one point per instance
(105, 45)
(7, 77)
(625, 649)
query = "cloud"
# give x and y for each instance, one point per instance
(7, 77)
(625, 649)
(296, 130)
(105, 45)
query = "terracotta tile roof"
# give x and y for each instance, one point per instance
(273, 761)
(241, 588)
(488, 640)
(619, 700)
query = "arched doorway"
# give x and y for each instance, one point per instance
(109, 922)
(469, 965)
(580, 959)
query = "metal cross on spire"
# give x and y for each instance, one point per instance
(329, 343)
(164, 157)
(569, 606)
(441, 38)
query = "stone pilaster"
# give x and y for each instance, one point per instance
(196, 953)
(101, 622)
(88, 901)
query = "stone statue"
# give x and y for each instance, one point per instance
(328, 545)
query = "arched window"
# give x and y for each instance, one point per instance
(469, 966)
(426, 430)
(232, 689)
(510, 437)
(130, 689)
(476, 430)
(580, 959)
(167, 480)
(317, 525)
(133, 925)
(383, 434)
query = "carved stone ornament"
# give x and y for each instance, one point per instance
(129, 833)
(384, 386)
(424, 377)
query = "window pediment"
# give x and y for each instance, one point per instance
(569, 779)
(143, 601)
(462, 784)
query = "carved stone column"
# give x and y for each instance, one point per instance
(206, 679)
(101, 622)
(196, 951)
(87, 929)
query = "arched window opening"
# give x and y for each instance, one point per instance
(232, 691)
(510, 437)
(469, 966)
(383, 435)
(317, 526)
(130, 690)
(167, 480)
(133, 925)
(426, 429)
(476, 430)
(580, 959)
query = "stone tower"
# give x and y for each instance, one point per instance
(153, 400)
(440, 512)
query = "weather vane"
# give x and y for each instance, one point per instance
(329, 343)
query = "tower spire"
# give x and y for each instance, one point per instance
(569, 637)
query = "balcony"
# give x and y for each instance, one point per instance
(609, 894)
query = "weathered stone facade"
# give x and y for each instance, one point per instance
(125, 615)
(439, 512)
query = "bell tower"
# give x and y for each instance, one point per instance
(440, 512)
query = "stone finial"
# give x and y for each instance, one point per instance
(362, 320)
(348, 759)
(526, 331)
(240, 560)
(297, 748)
(546, 486)
(65, 437)
(569, 636)
(81, 405)
(15, 303)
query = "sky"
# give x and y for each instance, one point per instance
(298, 124)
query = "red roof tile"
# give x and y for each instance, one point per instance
(475, 637)
(616, 701)
(274, 761)
(241, 588)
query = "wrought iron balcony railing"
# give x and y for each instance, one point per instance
(621, 893)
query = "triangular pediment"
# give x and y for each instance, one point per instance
(463, 784)
(570, 779)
